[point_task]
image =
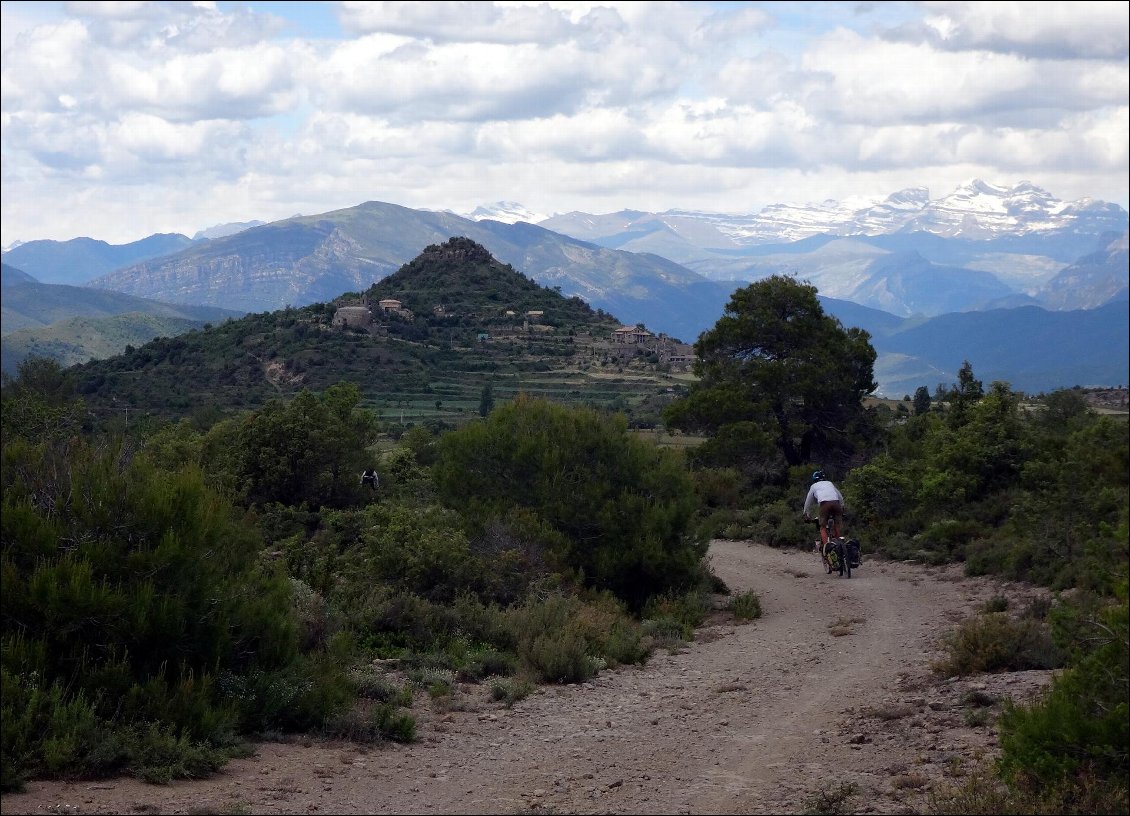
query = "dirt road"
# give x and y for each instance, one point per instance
(828, 698)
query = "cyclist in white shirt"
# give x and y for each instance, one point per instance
(830, 503)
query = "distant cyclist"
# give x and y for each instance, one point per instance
(830, 501)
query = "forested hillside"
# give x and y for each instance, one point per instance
(465, 324)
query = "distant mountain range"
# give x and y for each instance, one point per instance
(83, 259)
(73, 324)
(975, 211)
(980, 247)
(316, 258)
(979, 251)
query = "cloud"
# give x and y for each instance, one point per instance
(558, 105)
(1077, 30)
(462, 81)
(459, 21)
(224, 83)
(873, 83)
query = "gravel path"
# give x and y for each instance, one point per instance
(827, 698)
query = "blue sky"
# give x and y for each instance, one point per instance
(123, 119)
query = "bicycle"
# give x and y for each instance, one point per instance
(841, 555)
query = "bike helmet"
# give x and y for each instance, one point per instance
(818, 476)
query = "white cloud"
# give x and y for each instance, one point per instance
(233, 114)
(1077, 30)
(873, 83)
(224, 83)
(459, 21)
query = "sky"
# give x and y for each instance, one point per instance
(124, 119)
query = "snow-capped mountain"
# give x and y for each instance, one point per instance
(976, 210)
(508, 212)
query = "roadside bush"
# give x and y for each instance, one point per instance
(622, 507)
(562, 639)
(1076, 739)
(994, 642)
(510, 691)
(134, 599)
(746, 606)
(681, 613)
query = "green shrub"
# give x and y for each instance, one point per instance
(621, 507)
(686, 610)
(395, 725)
(666, 633)
(1078, 734)
(371, 684)
(142, 595)
(997, 603)
(746, 606)
(510, 691)
(994, 642)
(563, 639)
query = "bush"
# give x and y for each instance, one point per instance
(993, 642)
(1075, 740)
(146, 619)
(746, 606)
(685, 611)
(566, 640)
(510, 691)
(396, 726)
(621, 508)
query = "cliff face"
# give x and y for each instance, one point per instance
(258, 270)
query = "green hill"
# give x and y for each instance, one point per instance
(73, 324)
(464, 321)
(80, 339)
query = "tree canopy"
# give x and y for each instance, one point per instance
(785, 371)
(614, 510)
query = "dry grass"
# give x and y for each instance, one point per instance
(844, 626)
(912, 781)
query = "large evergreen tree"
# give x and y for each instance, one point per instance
(785, 372)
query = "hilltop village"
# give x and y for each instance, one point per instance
(623, 344)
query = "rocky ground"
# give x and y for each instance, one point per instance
(827, 703)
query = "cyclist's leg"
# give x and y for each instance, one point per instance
(825, 509)
(838, 519)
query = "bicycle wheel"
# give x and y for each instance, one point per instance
(841, 561)
(845, 558)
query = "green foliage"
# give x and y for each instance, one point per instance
(395, 725)
(678, 612)
(486, 400)
(134, 597)
(776, 361)
(878, 490)
(619, 509)
(309, 450)
(994, 642)
(921, 400)
(746, 606)
(562, 639)
(1004, 489)
(510, 691)
(40, 402)
(1076, 738)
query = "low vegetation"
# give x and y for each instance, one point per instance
(179, 585)
(169, 596)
